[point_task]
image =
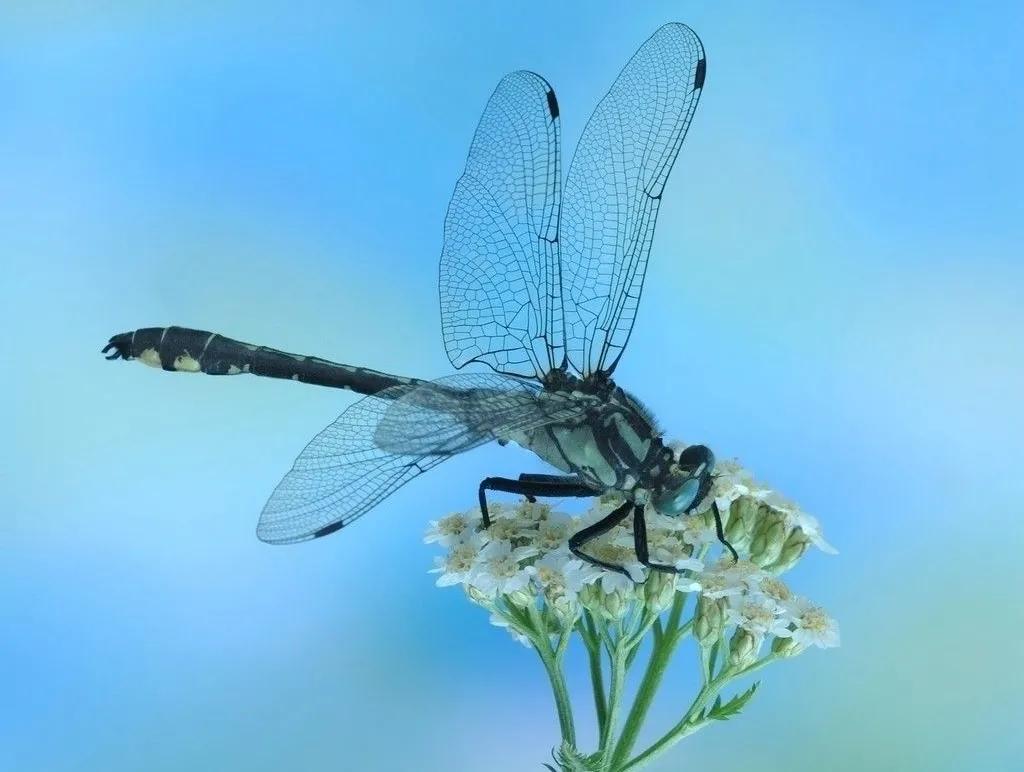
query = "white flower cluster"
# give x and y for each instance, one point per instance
(522, 565)
(759, 606)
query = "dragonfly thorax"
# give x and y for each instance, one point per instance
(614, 446)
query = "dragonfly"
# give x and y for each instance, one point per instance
(540, 280)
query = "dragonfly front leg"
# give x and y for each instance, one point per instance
(557, 479)
(720, 532)
(531, 486)
(641, 546)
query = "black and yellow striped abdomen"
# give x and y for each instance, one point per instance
(182, 349)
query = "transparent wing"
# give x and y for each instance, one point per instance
(459, 412)
(500, 283)
(613, 191)
(385, 440)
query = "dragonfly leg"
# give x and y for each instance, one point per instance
(720, 532)
(554, 487)
(602, 526)
(641, 546)
(559, 479)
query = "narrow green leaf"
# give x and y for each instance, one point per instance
(724, 711)
(570, 759)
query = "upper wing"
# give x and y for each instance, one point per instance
(385, 440)
(500, 282)
(614, 188)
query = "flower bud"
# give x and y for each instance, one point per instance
(769, 536)
(521, 598)
(659, 590)
(561, 613)
(742, 518)
(793, 549)
(478, 596)
(709, 621)
(590, 598)
(614, 605)
(743, 648)
(786, 647)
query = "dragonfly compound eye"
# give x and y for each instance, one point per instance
(678, 496)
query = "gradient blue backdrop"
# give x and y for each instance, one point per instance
(835, 297)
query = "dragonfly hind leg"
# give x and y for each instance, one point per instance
(602, 526)
(531, 486)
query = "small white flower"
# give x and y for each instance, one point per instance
(698, 532)
(450, 529)
(758, 614)
(812, 625)
(812, 529)
(459, 563)
(534, 511)
(617, 554)
(613, 581)
(505, 529)
(561, 575)
(667, 548)
(498, 570)
(731, 482)
(552, 534)
(726, 579)
(499, 621)
(774, 588)
(686, 585)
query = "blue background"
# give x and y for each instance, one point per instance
(835, 296)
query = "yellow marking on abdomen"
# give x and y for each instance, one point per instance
(185, 363)
(150, 357)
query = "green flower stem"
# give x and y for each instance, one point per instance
(661, 654)
(561, 692)
(619, 655)
(688, 725)
(552, 660)
(685, 727)
(588, 632)
(708, 659)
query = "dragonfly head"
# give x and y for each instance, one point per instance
(687, 482)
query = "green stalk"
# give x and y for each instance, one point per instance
(619, 655)
(687, 725)
(588, 632)
(661, 654)
(552, 660)
(680, 730)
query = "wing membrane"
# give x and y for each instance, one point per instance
(459, 412)
(385, 440)
(613, 191)
(500, 301)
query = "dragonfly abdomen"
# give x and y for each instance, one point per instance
(182, 349)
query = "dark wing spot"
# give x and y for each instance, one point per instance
(327, 530)
(553, 104)
(698, 78)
